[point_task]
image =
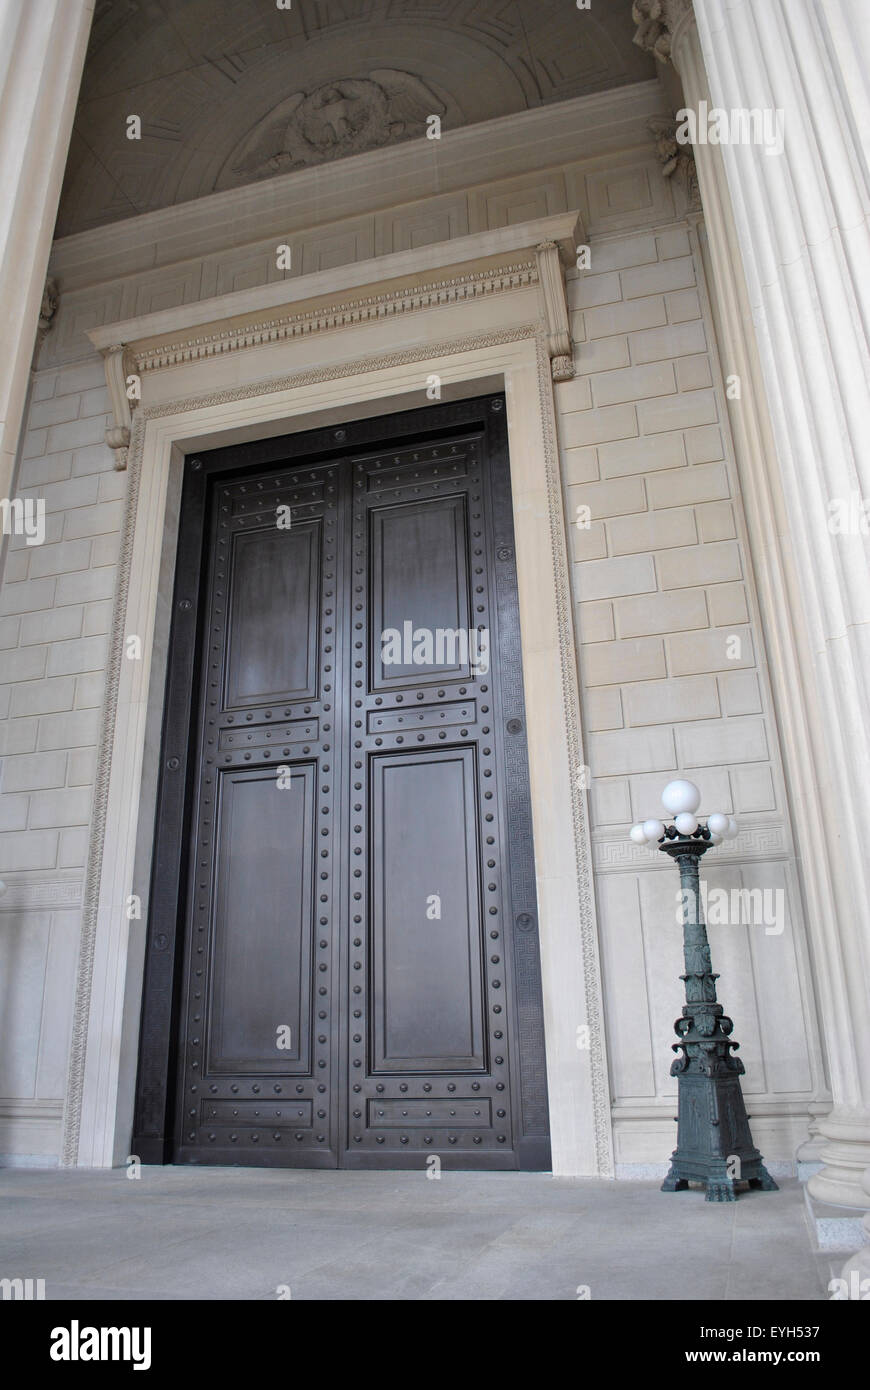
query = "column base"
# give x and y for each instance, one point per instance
(856, 1271)
(808, 1155)
(810, 1151)
(844, 1157)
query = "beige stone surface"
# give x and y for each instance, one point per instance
(659, 580)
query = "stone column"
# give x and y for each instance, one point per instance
(789, 250)
(42, 53)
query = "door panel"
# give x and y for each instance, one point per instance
(264, 854)
(418, 559)
(425, 931)
(343, 961)
(275, 589)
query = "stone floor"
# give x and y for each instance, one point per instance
(240, 1233)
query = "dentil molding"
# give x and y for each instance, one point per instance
(345, 314)
(456, 256)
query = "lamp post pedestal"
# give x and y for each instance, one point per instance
(714, 1143)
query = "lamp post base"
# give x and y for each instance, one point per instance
(714, 1143)
(718, 1189)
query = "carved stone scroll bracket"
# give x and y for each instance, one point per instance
(47, 310)
(677, 161)
(660, 26)
(117, 365)
(551, 277)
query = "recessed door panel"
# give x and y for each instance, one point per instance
(259, 1017)
(425, 929)
(274, 583)
(420, 602)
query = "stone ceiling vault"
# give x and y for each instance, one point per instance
(233, 91)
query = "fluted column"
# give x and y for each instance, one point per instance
(42, 53)
(789, 250)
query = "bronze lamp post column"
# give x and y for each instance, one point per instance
(714, 1143)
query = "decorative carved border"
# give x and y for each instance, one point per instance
(25, 894)
(570, 699)
(762, 840)
(72, 1113)
(570, 703)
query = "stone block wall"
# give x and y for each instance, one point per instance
(673, 684)
(55, 614)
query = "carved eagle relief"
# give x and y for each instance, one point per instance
(341, 118)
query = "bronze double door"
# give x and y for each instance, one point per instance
(342, 962)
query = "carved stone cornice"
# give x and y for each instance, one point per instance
(291, 205)
(551, 277)
(349, 313)
(660, 26)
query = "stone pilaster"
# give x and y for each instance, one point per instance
(42, 52)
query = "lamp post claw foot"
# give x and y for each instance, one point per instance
(720, 1190)
(763, 1180)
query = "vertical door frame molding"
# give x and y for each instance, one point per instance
(105, 1034)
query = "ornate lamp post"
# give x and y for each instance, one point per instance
(714, 1144)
